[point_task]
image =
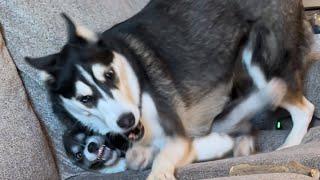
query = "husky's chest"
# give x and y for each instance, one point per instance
(197, 118)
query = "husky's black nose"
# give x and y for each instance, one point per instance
(93, 147)
(126, 121)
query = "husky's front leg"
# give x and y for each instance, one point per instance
(181, 151)
(177, 152)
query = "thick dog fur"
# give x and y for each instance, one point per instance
(171, 68)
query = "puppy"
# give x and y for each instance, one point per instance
(95, 152)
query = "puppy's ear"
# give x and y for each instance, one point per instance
(78, 35)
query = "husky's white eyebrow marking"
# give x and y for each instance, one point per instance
(80, 136)
(74, 149)
(88, 77)
(98, 71)
(83, 89)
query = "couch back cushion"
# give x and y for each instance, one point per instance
(24, 148)
(35, 28)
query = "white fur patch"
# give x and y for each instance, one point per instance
(153, 135)
(119, 166)
(246, 108)
(301, 117)
(82, 89)
(272, 94)
(113, 159)
(254, 71)
(212, 146)
(86, 34)
(150, 120)
(98, 72)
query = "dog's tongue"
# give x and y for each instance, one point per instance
(132, 136)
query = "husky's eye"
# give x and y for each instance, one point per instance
(109, 75)
(85, 99)
(78, 156)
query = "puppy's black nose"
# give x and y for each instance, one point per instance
(93, 147)
(126, 121)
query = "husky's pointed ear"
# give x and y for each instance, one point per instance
(43, 63)
(78, 34)
(71, 27)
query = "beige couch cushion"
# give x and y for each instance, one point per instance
(282, 176)
(25, 153)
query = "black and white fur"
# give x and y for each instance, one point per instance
(162, 76)
(95, 152)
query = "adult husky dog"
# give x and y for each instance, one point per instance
(162, 76)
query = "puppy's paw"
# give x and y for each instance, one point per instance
(244, 146)
(139, 157)
(161, 175)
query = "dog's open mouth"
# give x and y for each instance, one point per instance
(105, 157)
(104, 153)
(136, 133)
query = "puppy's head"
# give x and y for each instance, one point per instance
(94, 152)
(93, 82)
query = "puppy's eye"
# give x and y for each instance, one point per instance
(85, 99)
(109, 75)
(78, 156)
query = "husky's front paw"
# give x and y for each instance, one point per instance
(161, 175)
(244, 146)
(139, 157)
